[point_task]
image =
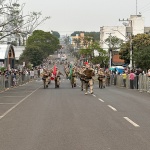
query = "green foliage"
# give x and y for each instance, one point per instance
(89, 53)
(39, 46)
(32, 54)
(125, 52)
(141, 57)
(45, 41)
(2, 69)
(114, 42)
(56, 34)
(141, 40)
(141, 51)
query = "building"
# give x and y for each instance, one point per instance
(7, 56)
(134, 25)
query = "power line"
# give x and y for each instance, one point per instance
(145, 6)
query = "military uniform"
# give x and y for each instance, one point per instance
(88, 72)
(73, 78)
(101, 78)
(45, 76)
(82, 77)
(57, 79)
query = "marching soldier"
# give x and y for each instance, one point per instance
(89, 73)
(57, 78)
(45, 75)
(107, 78)
(101, 77)
(82, 77)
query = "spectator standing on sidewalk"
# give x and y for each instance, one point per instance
(31, 74)
(131, 77)
(124, 76)
(148, 74)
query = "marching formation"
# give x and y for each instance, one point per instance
(85, 73)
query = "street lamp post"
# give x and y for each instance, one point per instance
(131, 50)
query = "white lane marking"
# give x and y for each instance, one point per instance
(7, 103)
(18, 104)
(101, 100)
(79, 86)
(114, 109)
(133, 123)
(94, 95)
(13, 96)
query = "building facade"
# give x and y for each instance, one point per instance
(132, 26)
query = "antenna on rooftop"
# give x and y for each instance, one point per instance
(136, 6)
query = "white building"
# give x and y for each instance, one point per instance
(117, 31)
(134, 25)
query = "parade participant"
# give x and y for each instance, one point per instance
(89, 73)
(107, 78)
(57, 78)
(72, 75)
(45, 78)
(66, 69)
(100, 78)
(82, 77)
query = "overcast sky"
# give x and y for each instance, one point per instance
(68, 16)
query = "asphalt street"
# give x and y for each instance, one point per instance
(33, 118)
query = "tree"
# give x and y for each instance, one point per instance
(77, 42)
(32, 54)
(15, 23)
(141, 51)
(114, 42)
(125, 52)
(39, 46)
(102, 59)
(55, 33)
(89, 54)
(45, 40)
(142, 57)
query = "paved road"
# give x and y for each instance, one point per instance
(33, 118)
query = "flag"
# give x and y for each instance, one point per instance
(53, 73)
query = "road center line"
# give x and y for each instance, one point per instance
(114, 109)
(18, 104)
(133, 123)
(101, 100)
(94, 95)
(13, 96)
(7, 103)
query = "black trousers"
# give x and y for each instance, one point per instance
(131, 84)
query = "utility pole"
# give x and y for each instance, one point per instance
(110, 50)
(131, 50)
(136, 7)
